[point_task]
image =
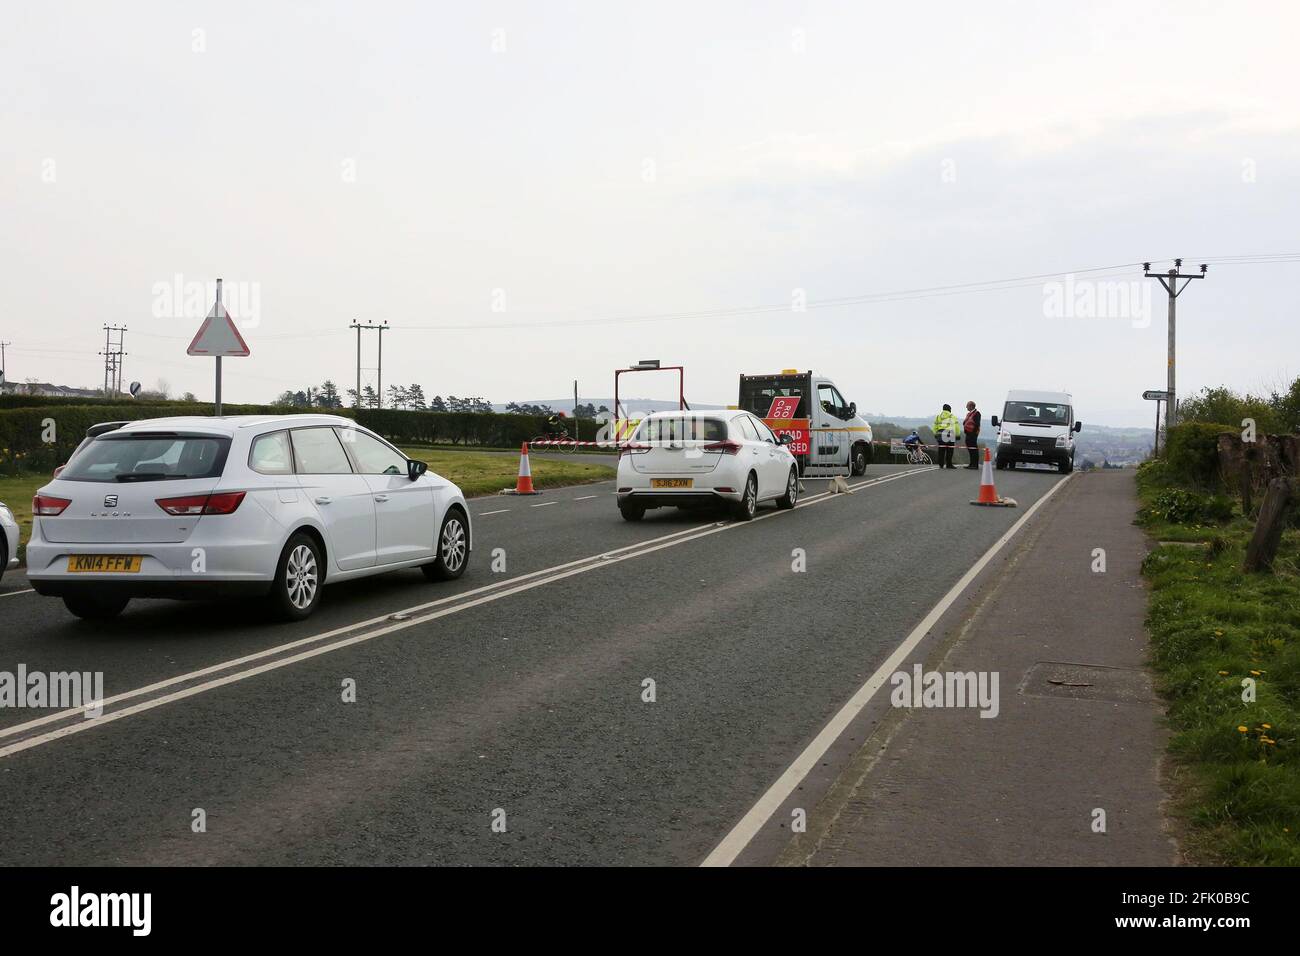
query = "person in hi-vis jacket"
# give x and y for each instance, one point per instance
(946, 430)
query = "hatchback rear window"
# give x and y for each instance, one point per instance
(681, 428)
(148, 457)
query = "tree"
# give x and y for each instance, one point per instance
(329, 395)
(436, 404)
(368, 397)
(396, 396)
(415, 398)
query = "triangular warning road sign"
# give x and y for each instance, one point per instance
(218, 336)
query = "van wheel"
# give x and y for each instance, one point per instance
(95, 608)
(743, 510)
(453, 549)
(858, 459)
(1067, 466)
(298, 579)
(791, 496)
(630, 511)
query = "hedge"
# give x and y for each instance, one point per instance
(23, 430)
(1192, 453)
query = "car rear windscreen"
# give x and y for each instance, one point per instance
(1036, 413)
(148, 457)
(681, 428)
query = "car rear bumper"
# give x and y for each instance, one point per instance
(180, 567)
(180, 590)
(691, 497)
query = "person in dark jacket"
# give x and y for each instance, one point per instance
(971, 429)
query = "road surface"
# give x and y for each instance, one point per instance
(512, 697)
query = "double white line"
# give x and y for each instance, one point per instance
(157, 694)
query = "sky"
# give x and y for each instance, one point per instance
(531, 193)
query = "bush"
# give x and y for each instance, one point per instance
(1180, 506)
(1192, 453)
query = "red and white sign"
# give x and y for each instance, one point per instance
(783, 407)
(218, 335)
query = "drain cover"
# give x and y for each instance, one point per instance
(1087, 682)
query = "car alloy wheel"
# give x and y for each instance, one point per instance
(452, 547)
(300, 578)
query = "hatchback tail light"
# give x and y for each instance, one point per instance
(47, 506)
(222, 503)
(727, 447)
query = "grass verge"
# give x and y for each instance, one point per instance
(481, 474)
(1215, 632)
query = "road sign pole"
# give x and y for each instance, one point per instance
(218, 386)
(1155, 452)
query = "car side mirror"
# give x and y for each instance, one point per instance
(994, 420)
(853, 409)
(1078, 426)
(785, 439)
(414, 469)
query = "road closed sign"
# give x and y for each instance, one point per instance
(780, 418)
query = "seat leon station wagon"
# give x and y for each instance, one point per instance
(729, 459)
(273, 507)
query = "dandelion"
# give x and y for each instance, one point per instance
(1256, 673)
(1223, 673)
(1267, 726)
(1243, 729)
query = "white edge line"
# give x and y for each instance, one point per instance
(561, 571)
(544, 504)
(484, 514)
(12, 593)
(734, 843)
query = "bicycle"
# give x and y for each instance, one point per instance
(917, 456)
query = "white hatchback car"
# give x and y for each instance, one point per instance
(8, 539)
(273, 506)
(694, 458)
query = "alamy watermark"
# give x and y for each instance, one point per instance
(179, 298)
(921, 688)
(64, 690)
(1073, 298)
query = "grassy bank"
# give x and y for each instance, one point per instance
(483, 474)
(476, 474)
(1212, 628)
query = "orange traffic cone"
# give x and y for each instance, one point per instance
(524, 483)
(988, 492)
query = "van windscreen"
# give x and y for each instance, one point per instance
(1036, 413)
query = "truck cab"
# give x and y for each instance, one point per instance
(1037, 427)
(828, 437)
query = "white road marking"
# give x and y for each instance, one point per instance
(587, 497)
(544, 504)
(484, 514)
(725, 853)
(12, 593)
(502, 589)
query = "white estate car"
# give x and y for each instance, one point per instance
(273, 506)
(8, 539)
(694, 458)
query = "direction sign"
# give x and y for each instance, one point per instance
(1155, 395)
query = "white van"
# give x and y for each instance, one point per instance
(1037, 427)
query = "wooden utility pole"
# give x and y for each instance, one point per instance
(1170, 281)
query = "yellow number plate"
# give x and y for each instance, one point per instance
(104, 563)
(672, 482)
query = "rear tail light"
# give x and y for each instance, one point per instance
(47, 506)
(632, 448)
(223, 503)
(727, 447)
